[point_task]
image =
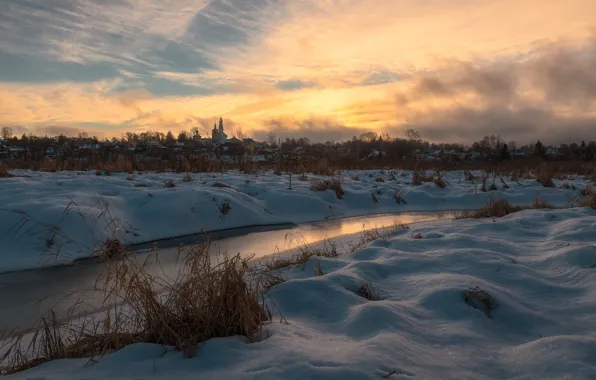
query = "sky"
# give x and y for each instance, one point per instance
(456, 70)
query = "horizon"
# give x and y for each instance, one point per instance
(455, 71)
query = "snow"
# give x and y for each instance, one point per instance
(55, 218)
(537, 265)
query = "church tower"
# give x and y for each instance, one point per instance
(214, 132)
(221, 129)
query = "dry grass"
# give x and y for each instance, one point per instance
(440, 182)
(225, 208)
(480, 299)
(4, 171)
(187, 178)
(111, 248)
(590, 202)
(545, 179)
(306, 251)
(205, 300)
(221, 185)
(369, 292)
(374, 198)
(587, 191)
(493, 209)
(303, 177)
(379, 179)
(540, 203)
(399, 199)
(169, 184)
(419, 177)
(328, 184)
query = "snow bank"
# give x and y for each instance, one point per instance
(537, 264)
(36, 231)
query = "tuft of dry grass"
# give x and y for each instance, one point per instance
(303, 177)
(318, 270)
(419, 177)
(328, 184)
(545, 179)
(379, 179)
(225, 208)
(440, 182)
(207, 299)
(493, 209)
(4, 171)
(306, 251)
(374, 198)
(590, 202)
(587, 191)
(356, 178)
(480, 299)
(540, 203)
(221, 185)
(369, 292)
(399, 199)
(187, 178)
(111, 248)
(169, 184)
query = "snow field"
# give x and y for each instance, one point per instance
(55, 218)
(537, 264)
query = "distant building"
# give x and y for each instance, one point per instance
(218, 136)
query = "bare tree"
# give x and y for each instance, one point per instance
(240, 134)
(369, 137)
(6, 133)
(412, 134)
(272, 138)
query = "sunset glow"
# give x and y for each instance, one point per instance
(454, 69)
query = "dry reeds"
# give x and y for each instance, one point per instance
(419, 177)
(187, 178)
(493, 209)
(328, 184)
(221, 185)
(4, 171)
(111, 248)
(206, 300)
(329, 249)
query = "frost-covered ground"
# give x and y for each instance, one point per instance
(538, 265)
(53, 218)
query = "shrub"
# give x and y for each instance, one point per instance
(169, 184)
(303, 177)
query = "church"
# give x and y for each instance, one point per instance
(218, 136)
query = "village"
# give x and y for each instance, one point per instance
(219, 147)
